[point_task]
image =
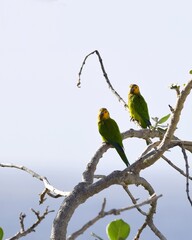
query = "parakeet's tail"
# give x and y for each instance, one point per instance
(148, 124)
(121, 152)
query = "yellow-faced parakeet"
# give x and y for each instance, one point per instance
(138, 107)
(110, 133)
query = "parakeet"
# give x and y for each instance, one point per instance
(138, 107)
(110, 133)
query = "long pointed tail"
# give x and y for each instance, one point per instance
(121, 153)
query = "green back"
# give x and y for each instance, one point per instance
(110, 132)
(139, 110)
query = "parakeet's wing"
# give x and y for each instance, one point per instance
(110, 133)
(139, 110)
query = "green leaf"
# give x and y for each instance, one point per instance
(118, 230)
(1, 233)
(164, 119)
(190, 72)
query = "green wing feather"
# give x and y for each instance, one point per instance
(139, 110)
(110, 133)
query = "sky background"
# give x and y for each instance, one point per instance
(49, 125)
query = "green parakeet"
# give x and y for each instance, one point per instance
(138, 107)
(110, 133)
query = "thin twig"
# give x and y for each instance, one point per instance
(150, 214)
(176, 88)
(134, 201)
(175, 167)
(171, 108)
(81, 69)
(23, 232)
(155, 230)
(187, 173)
(104, 74)
(140, 230)
(95, 235)
(150, 147)
(21, 220)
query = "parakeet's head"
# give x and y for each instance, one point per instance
(134, 89)
(103, 114)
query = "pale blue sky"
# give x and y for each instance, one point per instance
(49, 125)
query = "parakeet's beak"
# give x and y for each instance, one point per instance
(131, 90)
(101, 114)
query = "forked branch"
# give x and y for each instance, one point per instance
(24, 232)
(104, 213)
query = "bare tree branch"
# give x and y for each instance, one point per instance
(130, 175)
(140, 230)
(134, 201)
(21, 220)
(176, 115)
(188, 177)
(95, 235)
(48, 188)
(23, 232)
(83, 191)
(187, 173)
(104, 74)
(176, 88)
(147, 133)
(87, 188)
(98, 155)
(103, 214)
(88, 174)
(155, 230)
(175, 167)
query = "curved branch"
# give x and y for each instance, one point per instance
(104, 74)
(49, 188)
(83, 191)
(103, 214)
(147, 133)
(88, 174)
(187, 173)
